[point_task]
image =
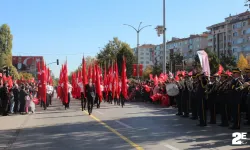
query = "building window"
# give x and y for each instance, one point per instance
(190, 41)
(239, 41)
(186, 42)
(198, 46)
(142, 53)
(141, 57)
(235, 34)
(147, 53)
(234, 50)
(234, 42)
(237, 25)
(141, 62)
(244, 23)
(248, 31)
(244, 32)
(147, 62)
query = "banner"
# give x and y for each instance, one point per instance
(26, 63)
(134, 70)
(140, 70)
(204, 61)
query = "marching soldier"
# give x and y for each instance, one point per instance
(246, 94)
(194, 105)
(221, 99)
(236, 94)
(201, 99)
(185, 97)
(179, 96)
(213, 85)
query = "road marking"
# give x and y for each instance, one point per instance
(123, 124)
(115, 132)
(99, 112)
(171, 147)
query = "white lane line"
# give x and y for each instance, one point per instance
(171, 147)
(99, 112)
(123, 124)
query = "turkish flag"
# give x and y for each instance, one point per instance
(135, 70)
(124, 87)
(140, 69)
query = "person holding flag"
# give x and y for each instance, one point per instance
(90, 94)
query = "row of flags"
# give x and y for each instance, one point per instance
(62, 89)
(44, 77)
(105, 79)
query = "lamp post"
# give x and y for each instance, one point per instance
(164, 38)
(138, 32)
(162, 30)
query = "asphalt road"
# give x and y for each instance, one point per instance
(136, 126)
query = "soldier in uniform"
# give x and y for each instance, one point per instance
(236, 94)
(202, 83)
(213, 85)
(185, 97)
(246, 94)
(221, 99)
(194, 105)
(179, 96)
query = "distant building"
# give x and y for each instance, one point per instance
(231, 36)
(146, 55)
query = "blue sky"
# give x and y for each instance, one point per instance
(57, 29)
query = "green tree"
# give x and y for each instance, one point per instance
(157, 69)
(114, 51)
(109, 51)
(14, 73)
(127, 52)
(228, 62)
(242, 62)
(25, 75)
(6, 49)
(178, 58)
(148, 70)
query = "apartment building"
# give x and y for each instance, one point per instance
(231, 36)
(187, 47)
(146, 55)
(159, 55)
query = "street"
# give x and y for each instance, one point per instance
(136, 126)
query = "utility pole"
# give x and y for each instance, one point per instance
(162, 30)
(164, 38)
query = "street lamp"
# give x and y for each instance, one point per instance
(138, 32)
(162, 30)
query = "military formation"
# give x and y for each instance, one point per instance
(225, 93)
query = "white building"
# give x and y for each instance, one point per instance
(146, 55)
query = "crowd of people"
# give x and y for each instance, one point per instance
(17, 98)
(226, 94)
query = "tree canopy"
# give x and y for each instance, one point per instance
(227, 61)
(148, 70)
(242, 62)
(6, 49)
(114, 51)
(25, 75)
